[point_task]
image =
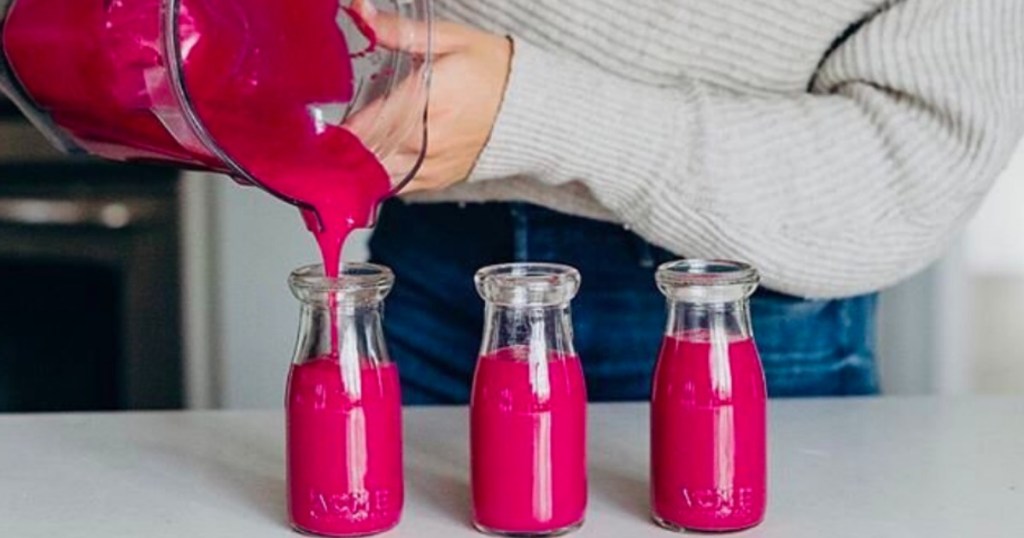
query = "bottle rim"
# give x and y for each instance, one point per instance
(707, 273)
(528, 284)
(352, 277)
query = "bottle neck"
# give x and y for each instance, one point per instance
(707, 320)
(352, 334)
(545, 331)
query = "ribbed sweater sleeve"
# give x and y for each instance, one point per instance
(846, 187)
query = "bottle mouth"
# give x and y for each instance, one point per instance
(311, 280)
(707, 280)
(528, 284)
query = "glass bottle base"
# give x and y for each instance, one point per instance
(668, 525)
(544, 534)
(308, 532)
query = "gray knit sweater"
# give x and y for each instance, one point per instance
(838, 145)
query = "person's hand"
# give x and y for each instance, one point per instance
(470, 73)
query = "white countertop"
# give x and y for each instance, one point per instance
(853, 468)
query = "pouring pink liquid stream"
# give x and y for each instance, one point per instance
(290, 150)
(529, 461)
(708, 454)
(344, 442)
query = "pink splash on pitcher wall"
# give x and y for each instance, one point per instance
(708, 453)
(267, 101)
(345, 448)
(528, 443)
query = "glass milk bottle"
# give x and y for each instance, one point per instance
(528, 408)
(344, 440)
(708, 432)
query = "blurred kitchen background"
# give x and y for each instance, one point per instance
(130, 287)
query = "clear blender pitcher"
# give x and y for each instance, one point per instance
(244, 87)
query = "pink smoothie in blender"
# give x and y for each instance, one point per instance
(260, 89)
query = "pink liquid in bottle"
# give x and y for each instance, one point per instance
(708, 434)
(344, 449)
(528, 443)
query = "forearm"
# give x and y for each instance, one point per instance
(836, 192)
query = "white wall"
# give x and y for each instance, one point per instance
(925, 339)
(995, 239)
(202, 382)
(996, 261)
(957, 328)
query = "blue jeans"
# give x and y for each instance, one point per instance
(434, 318)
